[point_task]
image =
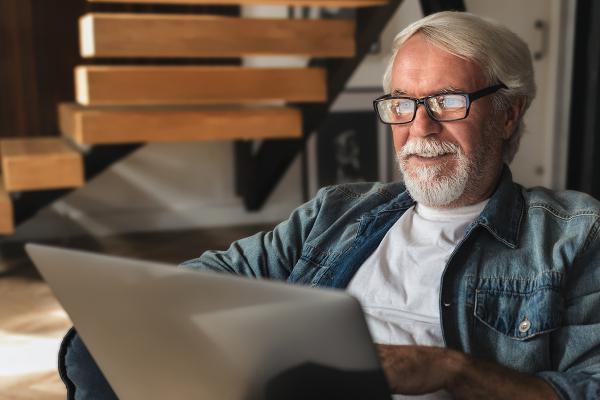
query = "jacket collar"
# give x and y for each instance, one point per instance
(502, 215)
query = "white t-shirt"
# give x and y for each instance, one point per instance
(398, 286)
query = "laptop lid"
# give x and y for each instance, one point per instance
(157, 331)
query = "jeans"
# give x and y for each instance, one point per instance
(91, 383)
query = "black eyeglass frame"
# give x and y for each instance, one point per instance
(471, 97)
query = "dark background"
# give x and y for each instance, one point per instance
(38, 50)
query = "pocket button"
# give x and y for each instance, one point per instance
(524, 325)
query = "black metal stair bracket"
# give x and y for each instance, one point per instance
(259, 172)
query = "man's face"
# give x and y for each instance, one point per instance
(445, 164)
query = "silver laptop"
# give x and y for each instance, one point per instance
(161, 332)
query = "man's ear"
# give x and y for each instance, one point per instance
(513, 116)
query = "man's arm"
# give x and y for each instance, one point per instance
(266, 254)
(415, 370)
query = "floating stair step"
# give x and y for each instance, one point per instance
(312, 3)
(7, 226)
(40, 163)
(104, 125)
(165, 35)
(170, 85)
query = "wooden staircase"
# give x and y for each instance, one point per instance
(160, 35)
(40, 163)
(114, 125)
(121, 104)
(35, 164)
(177, 85)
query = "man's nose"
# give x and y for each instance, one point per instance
(423, 125)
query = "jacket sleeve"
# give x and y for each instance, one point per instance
(266, 254)
(576, 345)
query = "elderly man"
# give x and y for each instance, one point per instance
(474, 287)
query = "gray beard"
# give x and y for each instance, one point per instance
(431, 187)
(435, 187)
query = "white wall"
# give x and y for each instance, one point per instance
(188, 185)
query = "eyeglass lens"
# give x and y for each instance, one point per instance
(445, 107)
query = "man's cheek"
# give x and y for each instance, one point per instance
(400, 136)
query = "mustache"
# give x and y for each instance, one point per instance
(428, 148)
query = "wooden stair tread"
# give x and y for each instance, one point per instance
(169, 85)
(304, 3)
(104, 125)
(167, 35)
(39, 164)
(7, 226)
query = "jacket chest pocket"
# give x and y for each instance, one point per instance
(519, 316)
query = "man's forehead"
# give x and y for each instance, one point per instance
(421, 87)
(422, 68)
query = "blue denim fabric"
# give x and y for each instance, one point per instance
(521, 289)
(79, 371)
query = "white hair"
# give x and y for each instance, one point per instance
(501, 54)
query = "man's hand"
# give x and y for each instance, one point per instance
(413, 370)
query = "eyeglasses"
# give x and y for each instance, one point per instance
(444, 107)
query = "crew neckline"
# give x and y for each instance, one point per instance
(432, 213)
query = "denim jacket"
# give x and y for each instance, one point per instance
(521, 289)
